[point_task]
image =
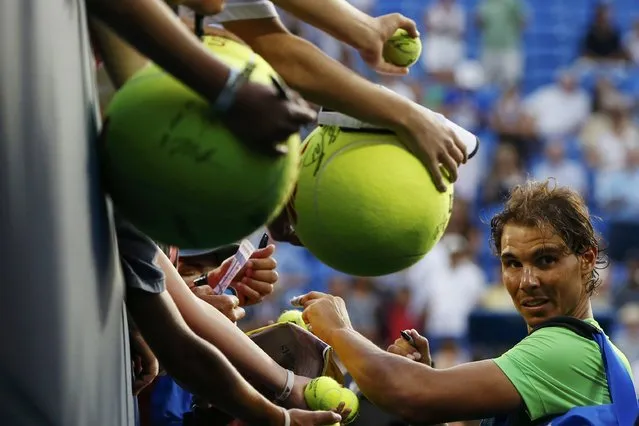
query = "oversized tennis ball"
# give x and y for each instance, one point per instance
(364, 205)
(401, 49)
(293, 316)
(175, 171)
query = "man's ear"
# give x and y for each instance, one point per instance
(589, 260)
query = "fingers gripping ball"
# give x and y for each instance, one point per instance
(402, 49)
(324, 393)
(293, 316)
(364, 205)
(175, 171)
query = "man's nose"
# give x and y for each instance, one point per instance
(528, 278)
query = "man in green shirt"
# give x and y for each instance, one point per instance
(554, 370)
(549, 257)
(501, 23)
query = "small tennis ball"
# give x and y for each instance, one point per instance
(175, 171)
(364, 205)
(316, 388)
(351, 402)
(401, 49)
(293, 316)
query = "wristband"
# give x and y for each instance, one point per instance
(288, 387)
(287, 418)
(235, 80)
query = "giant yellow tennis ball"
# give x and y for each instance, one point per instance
(365, 205)
(324, 393)
(175, 171)
(402, 49)
(293, 316)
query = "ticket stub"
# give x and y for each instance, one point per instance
(239, 260)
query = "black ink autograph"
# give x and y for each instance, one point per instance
(315, 156)
(187, 146)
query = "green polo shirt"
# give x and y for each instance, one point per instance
(554, 369)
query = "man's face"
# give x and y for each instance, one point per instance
(542, 277)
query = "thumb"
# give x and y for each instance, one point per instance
(263, 253)
(421, 343)
(326, 418)
(216, 274)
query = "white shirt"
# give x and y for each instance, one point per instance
(451, 298)
(444, 22)
(558, 112)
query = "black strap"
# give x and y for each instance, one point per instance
(577, 326)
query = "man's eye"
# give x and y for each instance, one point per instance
(547, 260)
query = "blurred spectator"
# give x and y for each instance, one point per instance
(449, 354)
(461, 107)
(362, 304)
(506, 172)
(603, 97)
(444, 45)
(602, 41)
(631, 42)
(559, 109)
(604, 89)
(451, 297)
(628, 290)
(461, 223)
(617, 136)
(627, 340)
(398, 316)
(512, 123)
(501, 23)
(566, 172)
(496, 298)
(616, 194)
(616, 190)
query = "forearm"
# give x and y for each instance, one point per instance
(208, 323)
(326, 82)
(214, 378)
(120, 59)
(151, 28)
(196, 364)
(394, 383)
(335, 17)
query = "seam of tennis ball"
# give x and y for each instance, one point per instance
(351, 145)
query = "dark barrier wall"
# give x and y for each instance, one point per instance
(62, 328)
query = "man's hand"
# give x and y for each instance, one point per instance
(274, 115)
(145, 364)
(253, 283)
(256, 280)
(434, 144)
(384, 27)
(420, 352)
(324, 314)
(226, 304)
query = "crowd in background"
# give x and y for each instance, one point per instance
(580, 126)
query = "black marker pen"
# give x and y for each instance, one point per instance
(263, 241)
